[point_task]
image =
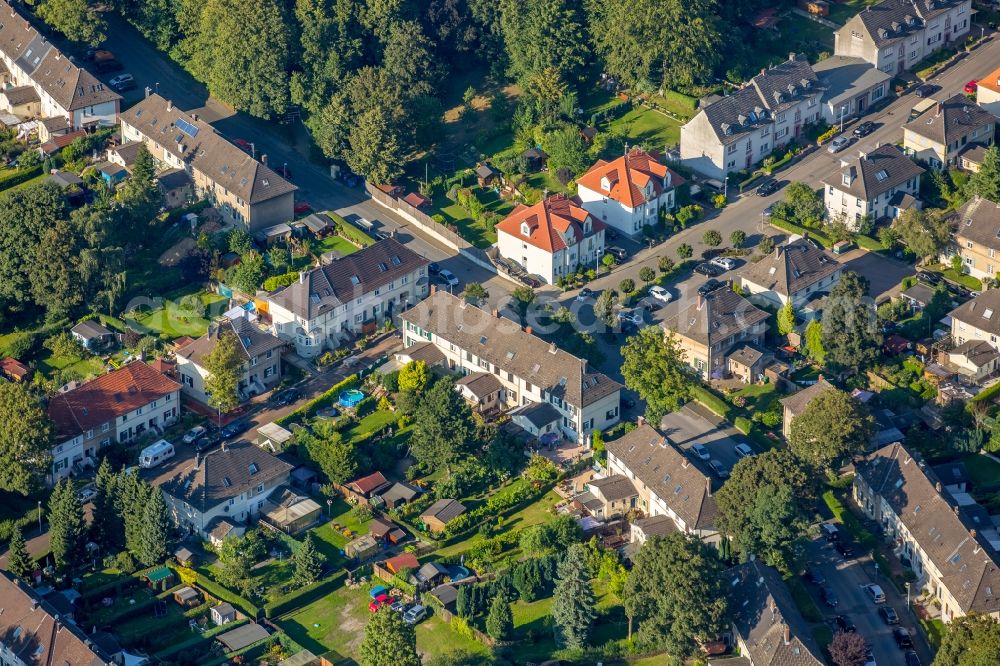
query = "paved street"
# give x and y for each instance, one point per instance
(848, 578)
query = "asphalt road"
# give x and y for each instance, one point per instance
(694, 424)
(848, 579)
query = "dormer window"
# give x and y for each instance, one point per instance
(846, 179)
(882, 175)
(605, 184)
(726, 129)
(525, 230)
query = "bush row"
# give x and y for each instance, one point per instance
(9, 179)
(791, 227)
(223, 594)
(325, 399)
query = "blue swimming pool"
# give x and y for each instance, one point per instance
(350, 398)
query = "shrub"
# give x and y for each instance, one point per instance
(278, 281)
(827, 135)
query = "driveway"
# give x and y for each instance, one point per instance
(693, 424)
(848, 579)
(884, 274)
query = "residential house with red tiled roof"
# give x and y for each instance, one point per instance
(115, 407)
(551, 238)
(628, 193)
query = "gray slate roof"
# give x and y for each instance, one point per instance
(655, 525)
(979, 352)
(252, 341)
(978, 220)
(715, 317)
(798, 401)
(874, 173)
(539, 414)
(791, 268)
(982, 312)
(207, 151)
(746, 355)
(444, 510)
(892, 20)
(920, 292)
(343, 280)
(615, 487)
(480, 384)
(504, 344)
(666, 471)
(956, 118)
(763, 610)
(967, 563)
(843, 78)
(91, 329)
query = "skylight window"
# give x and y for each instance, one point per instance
(382, 267)
(226, 482)
(355, 280)
(253, 468)
(396, 261)
(987, 313)
(882, 175)
(482, 340)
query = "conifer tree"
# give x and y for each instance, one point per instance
(67, 529)
(573, 607)
(154, 531)
(19, 562)
(308, 563)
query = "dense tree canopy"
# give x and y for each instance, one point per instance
(973, 640)
(225, 369)
(926, 232)
(654, 367)
(443, 426)
(833, 426)
(389, 641)
(850, 333)
(25, 439)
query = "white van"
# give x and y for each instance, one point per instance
(876, 593)
(155, 453)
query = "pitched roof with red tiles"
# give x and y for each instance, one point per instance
(551, 223)
(368, 484)
(14, 368)
(416, 199)
(402, 561)
(108, 397)
(628, 176)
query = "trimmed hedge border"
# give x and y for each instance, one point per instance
(221, 593)
(19, 176)
(207, 636)
(325, 399)
(303, 596)
(986, 394)
(791, 227)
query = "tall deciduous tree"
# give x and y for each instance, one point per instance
(19, 562)
(972, 640)
(25, 439)
(604, 307)
(786, 318)
(336, 458)
(79, 20)
(225, 368)
(443, 426)
(926, 232)
(541, 34)
(848, 649)
(985, 183)
(573, 606)
(654, 367)
(308, 562)
(25, 216)
(676, 593)
(375, 149)
(851, 337)
(389, 641)
(833, 426)
(241, 50)
(67, 531)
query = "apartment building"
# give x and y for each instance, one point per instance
(850, 87)
(246, 191)
(988, 92)
(878, 184)
(116, 407)
(667, 482)
(946, 550)
(40, 81)
(978, 319)
(466, 339)
(977, 237)
(334, 303)
(740, 130)
(938, 136)
(219, 493)
(714, 325)
(552, 238)
(895, 35)
(32, 632)
(630, 192)
(260, 350)
(767, 626)
(796, 271)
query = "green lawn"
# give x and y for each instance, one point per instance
(481, 233)
(334, 243)
(183, 312)
(759, 397)
(331, 541)
(369, 424)
(649, 128)
(983, 471)
(345, 228)
(536, 513)
(71, 366)
(934, 630)
(961, 278)
(841, 12)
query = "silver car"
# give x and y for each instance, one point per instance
(838, 144)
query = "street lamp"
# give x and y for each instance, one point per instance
(329, 508)
(843, 108)
(39, 516)
(907, 594)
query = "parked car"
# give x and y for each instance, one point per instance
(618, 253)
(105, 61)
(927, 90)
(743, 450)
(864, 129)
(725, 263)
(875, 592)
(628, 403)
(234, 428)
(630, 316)
(700, 451)
(932, 279)
(829, 596)
(243, 145)
(398, 606)
(379, 601)
(585, 294)
(838, 144)
(433, 268)
(659, 293)
(903, 638)
(911, 658)
(709, 286)
(970, 87)
(207, 441)
(122, 82)
(719, 469)
(448, 277)
(709, 269)
(845, 625)
(286, 397)
(767, 188)
(830, 531)
(767, 211)
(815, 576)
(193, 434)
(844, 548)
(86, 494)
(301, 208)
(610, 234)
(415, 614)
(888, 614)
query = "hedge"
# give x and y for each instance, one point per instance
(987, 393)
(325, 399)
(708, 398)
(868, 243)
(303, 596)
(222, 593)
(14, 177)
(350, 232)
(791, 227)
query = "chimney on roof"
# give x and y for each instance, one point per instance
(197, 459)
(170, 105)
(640, 420)
(938, 108)
(528, 330)
(552, 348)
(148, 91)
(791, 56)
(763, 71)
(34, 604)
(972, 533)
(225, 446)
(302, 277)
(194, 117)
(937, 486)
(788, 634)
(496, 313)
(708, 486)
(263, 159)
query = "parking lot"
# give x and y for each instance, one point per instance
(848, 578)
(693, 424)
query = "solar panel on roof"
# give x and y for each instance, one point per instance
(186, 127)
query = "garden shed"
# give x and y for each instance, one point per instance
(362, 548)
(272, 436)
(223, 613)
(160, 578)
(243, 636)
(184, 556)
(187, 596)
(290, 512)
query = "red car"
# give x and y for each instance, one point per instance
(971, 86)
(378, 602)
(243, 144)
(302, 208)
